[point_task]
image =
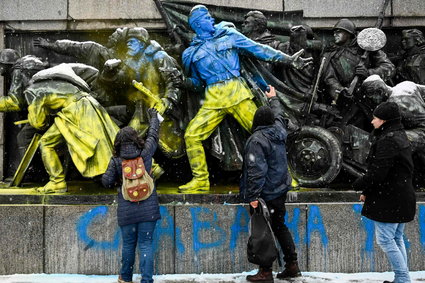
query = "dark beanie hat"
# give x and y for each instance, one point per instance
(263, 117)
(387, 111)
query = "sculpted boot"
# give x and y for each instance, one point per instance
(291, 270)
(53, 187)
(195, 185)
(55, 170)
(198, 163)
(264, 275)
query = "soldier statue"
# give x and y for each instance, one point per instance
(212, 61)
(412, 65)
(343, 62)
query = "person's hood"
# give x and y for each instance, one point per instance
(129, 151)
(271, 133)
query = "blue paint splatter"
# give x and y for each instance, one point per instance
(165, 228)
(293, 225)
(198, 225)
(421, 224)
(369, 228)
(83, 225)
(242, 216)
(315, 223)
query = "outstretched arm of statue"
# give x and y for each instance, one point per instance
(41, 42)
(266, 53)
(83, 50)
(299, 62)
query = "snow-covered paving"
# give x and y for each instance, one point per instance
(308, 277)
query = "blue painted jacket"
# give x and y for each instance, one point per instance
(216, 59)
(265, 165)
(134, 212)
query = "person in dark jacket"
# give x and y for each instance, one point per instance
(387, 190)
(137, 220)
(265, 175)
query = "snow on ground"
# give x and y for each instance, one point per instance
(308, 277)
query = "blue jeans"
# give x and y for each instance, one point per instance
(140, 234)
(389, 237)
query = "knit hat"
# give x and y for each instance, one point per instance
(263, 117)
(387, 111)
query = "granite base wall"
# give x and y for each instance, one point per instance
(209, 238)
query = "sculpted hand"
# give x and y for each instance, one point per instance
(298, 62)
(40, 42)
(361, 71)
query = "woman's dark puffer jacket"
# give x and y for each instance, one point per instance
(387, 185)
(134, 212)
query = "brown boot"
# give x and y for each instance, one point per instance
(291, 270)
(263, 275)
(122, 281)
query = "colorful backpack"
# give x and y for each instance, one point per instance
(137, 185)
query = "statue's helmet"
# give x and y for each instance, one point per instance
(347, 25)
(9, 56)
(415, 33)
(139, 33)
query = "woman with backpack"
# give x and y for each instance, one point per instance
(137, 219)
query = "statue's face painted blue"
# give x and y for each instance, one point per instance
(134, 46)
(206, 23)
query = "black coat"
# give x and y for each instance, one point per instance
(134, 212)
(265, 166)
(387, 185)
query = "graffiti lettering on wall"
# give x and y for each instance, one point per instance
(207, 221)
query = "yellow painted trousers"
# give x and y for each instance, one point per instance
(203, 125)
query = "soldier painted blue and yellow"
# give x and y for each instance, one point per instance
(79, 121)
(212, 61)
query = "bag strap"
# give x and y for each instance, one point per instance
(263, 209)
(266, 213)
